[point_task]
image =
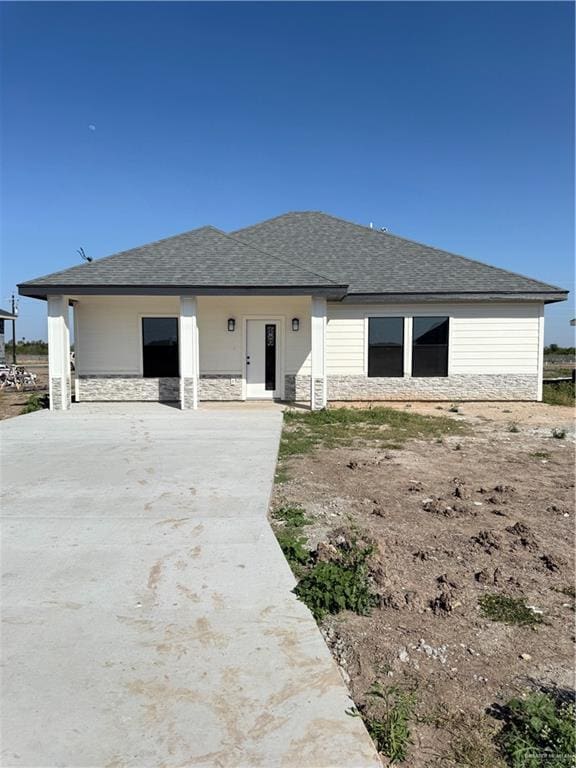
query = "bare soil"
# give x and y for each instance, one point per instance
(490, 512)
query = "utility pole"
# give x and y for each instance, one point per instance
(13, 331)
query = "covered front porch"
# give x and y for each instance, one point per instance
(187, 348)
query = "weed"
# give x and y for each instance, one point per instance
(331, 587)
(35, 402)
(513, 428)
(294, 547)
(509, 610)
(305, 431)
(292, 515)
(540, 455)
(454, 408)
(559, 434)
(539, 730)
(391, 732)
(559, 394)
(458, 447)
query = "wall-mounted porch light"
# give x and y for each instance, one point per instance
(295, 324)
(231, 324)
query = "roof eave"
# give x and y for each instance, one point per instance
(39, 291)
(548, 297)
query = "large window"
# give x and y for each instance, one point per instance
(430, 346)
(385, 346)
(160, 346)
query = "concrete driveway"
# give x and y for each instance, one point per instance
(148, 617)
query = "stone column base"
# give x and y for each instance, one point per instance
(60, 394)
(318, 394)
(188, 392)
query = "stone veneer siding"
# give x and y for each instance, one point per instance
(297, 388)
(110, 388)
(507, 386)
(220, 386)
(128, 388)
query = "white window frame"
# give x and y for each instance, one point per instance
(408, 337)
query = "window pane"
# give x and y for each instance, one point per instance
(430, 346)
(430, 330)
(430, 361)
(387, 331)
(385, 361)
(160, 346)
(385, 346)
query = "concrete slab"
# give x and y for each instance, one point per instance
(148, 617)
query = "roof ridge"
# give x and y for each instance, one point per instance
(280, 258)
(439, 250)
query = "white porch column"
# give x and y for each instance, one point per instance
(189, 359)
(58, 353)
(318, 383)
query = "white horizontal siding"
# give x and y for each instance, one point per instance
(108, 331)
(484, 338)
(222, 351)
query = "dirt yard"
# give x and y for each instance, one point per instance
(489, 511)
(13, 401)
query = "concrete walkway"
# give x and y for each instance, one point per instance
(148, 618)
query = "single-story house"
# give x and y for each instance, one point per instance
(4, 315)
(301, 307)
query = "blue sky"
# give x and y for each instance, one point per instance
(449, 123)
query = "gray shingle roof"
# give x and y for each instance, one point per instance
(371, 261)
(302, 250)
(201, 257)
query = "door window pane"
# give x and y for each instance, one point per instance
(270, 359)
(430, 346)
(160, 346)
(386, 346)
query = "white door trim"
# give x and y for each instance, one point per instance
(280, 351)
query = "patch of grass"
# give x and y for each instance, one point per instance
(513, 428)
(281, 475)
(539, 731)
(558, 372)
(35, 402)
(391, 731)
(559, 394)
(540, 455)
(509, 610)
(306, 430)
(331, 587)
(292, 515)
(470, 743)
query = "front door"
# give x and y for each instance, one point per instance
(261, 359)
